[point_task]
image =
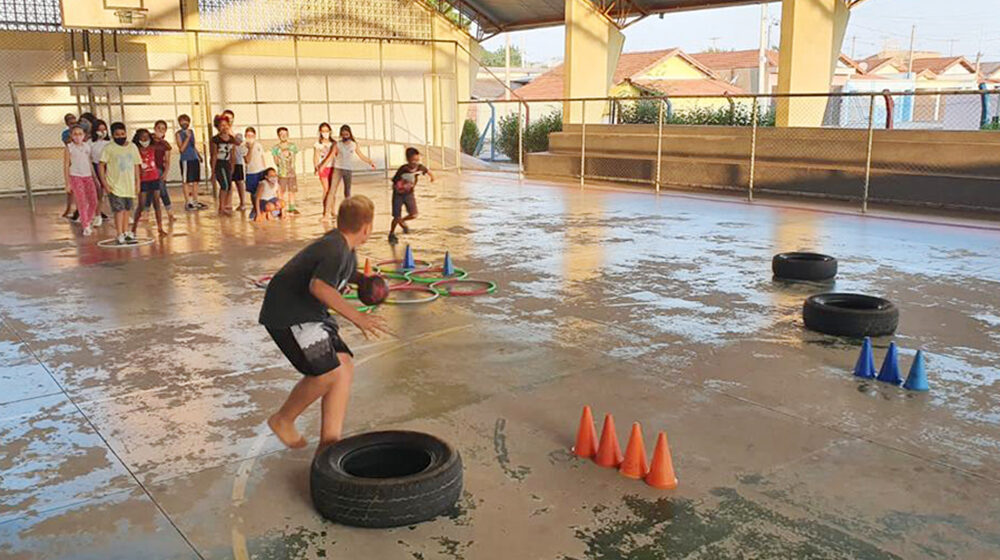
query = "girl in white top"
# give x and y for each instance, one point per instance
(267, 198)
(78, 170)
(322, 161)
(342, 158)
(100, 137)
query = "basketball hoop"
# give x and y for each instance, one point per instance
(130, 16)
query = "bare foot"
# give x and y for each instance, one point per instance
(163, 233)
(286, 433)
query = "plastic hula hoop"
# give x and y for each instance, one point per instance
(394, 268)
(432, 295)
(442, 287)
(360, 308)
(420, 276)
(261, 282)
(112, 243)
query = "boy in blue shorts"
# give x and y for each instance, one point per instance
(404, 182)
(295, 314)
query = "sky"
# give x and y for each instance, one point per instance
(962, 27)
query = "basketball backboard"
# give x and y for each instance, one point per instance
(121, 14)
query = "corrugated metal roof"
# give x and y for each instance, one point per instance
(495, 16)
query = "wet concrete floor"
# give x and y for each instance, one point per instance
(134, 384)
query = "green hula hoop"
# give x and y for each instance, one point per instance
(415, 275)
(438, 287)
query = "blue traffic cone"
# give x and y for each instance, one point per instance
(890, 367)
(448, 269)
(917, 378)
(865, 366)
(408, 262)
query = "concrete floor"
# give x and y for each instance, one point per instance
(134, 385)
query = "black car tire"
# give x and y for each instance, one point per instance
(852, 315)
(386, 479)
(804, 266)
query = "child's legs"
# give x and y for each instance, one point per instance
(121, 221)
(335, 401)
(138, 210)
(410, 201)
(85, 193)
(331, 201)
(346, 174)
(157, 211)
(164, 193)
(397, 211)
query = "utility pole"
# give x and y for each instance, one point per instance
(913, 38)
(506, 64)
(951, 46)
(762, 85)
(714, 41)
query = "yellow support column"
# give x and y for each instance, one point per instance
(812, 33)
(593, 45)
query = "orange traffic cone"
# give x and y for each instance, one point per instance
(634, 465)
(368, 267)
(609, 453)
(661, 472)
(586, 437)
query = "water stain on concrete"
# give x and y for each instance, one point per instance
(666, 528)
(500, 447)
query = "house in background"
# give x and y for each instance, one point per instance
(741, 68)
(668, 72)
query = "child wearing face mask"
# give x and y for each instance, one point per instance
(190, 160)
(342, 159)
(322, 162)
(239, 170)
(255, 166)
(79, 176)
(98, 140)
(120, 171)
(149, 187)
(267, 198)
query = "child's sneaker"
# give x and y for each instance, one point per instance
(97, 221)
(189, 206)
(120, 240)
(293, 210)
(393, 239)
(130, 238)
(200, 205)
(87, 231)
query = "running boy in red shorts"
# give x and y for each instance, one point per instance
(404, 182)
(295, 314)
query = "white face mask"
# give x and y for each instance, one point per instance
(325, 135)
(102, 134)
(144, 143)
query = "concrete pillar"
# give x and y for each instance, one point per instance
(452, 75)
(812, 33)
(593, 45)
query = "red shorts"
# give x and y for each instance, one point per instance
(325, 172)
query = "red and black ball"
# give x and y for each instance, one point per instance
(372, 290)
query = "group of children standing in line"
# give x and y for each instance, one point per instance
(96, 164)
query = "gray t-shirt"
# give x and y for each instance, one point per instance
(288, 300)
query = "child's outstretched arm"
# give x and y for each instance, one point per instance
(332, 153)
(372, 325)
(364, 158)
(429, 174)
